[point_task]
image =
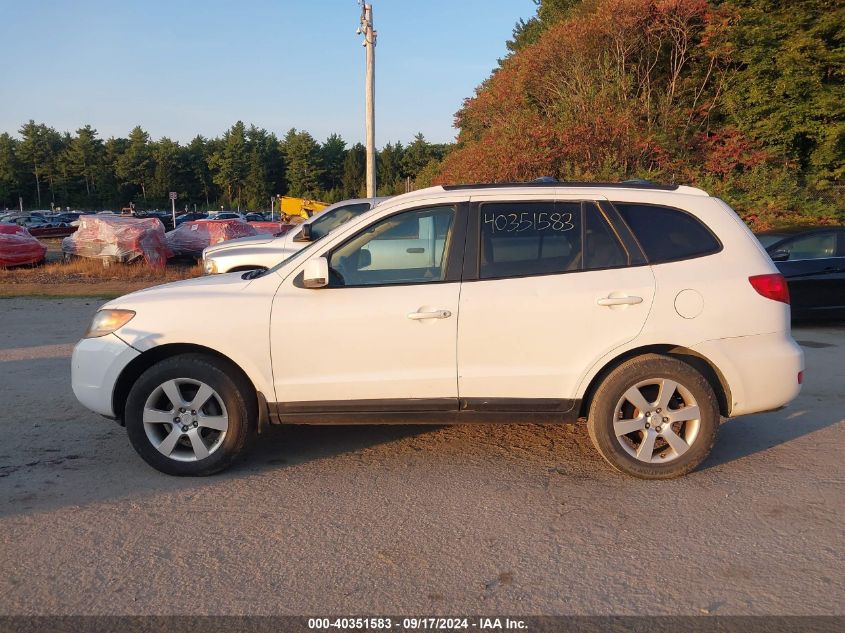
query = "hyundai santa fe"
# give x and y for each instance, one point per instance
(650, 312)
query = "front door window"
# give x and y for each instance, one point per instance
(406, 248)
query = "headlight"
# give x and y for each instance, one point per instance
(108, 321)
(209, 266)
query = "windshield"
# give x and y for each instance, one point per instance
(325, 223)
(308, 248)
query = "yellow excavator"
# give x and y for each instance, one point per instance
(303, 208)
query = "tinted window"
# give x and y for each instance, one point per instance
(770, 238)
(817, 246)
(529, 238)
(666, 233)
(334, 218)
(409, 247)
(602, 248)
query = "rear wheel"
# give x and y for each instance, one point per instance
(654, 417)
(190, 415)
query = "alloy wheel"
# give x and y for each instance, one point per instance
(657, 420)
(185, 419)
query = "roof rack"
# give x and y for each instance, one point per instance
(546, 181)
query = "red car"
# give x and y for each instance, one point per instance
(192, 237)
(119, 238)
(271, 228)
(18, 247)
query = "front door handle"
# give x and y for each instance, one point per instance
(434, 314)
(619, 301)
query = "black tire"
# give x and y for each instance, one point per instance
(603, 413)
(235, 391)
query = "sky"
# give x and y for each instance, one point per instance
(186, 67)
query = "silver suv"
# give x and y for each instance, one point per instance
(264, 251)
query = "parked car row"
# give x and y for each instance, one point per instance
(40, 224)
(127, 238)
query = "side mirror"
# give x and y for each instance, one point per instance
(304, 234)
(316, 273)
(780, 255)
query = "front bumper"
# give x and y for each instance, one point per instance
(761, 371)
(95, 367)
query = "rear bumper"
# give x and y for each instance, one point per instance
(761, 371)
(95, 367)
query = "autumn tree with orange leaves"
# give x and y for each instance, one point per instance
(625, 88)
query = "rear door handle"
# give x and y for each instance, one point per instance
(434, 314)
(619, 301)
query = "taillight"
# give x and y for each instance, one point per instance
(771, 286)
(801, 377)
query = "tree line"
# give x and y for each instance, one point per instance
(745, 98)
(242, 168)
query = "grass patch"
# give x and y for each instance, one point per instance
(89, 278)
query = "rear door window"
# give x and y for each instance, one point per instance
(529, 238)
(666, 233)
(602, 248)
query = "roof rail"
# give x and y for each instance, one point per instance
(546, 181)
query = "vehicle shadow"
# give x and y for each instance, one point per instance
(819, 405)
(46, 480)
(742, 437)
(289, 445)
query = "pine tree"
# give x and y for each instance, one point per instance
(417, 155)
(84, 157)
(353, 180)
(390, 169)
(332, 153)
(231, 162)
(167, 173)
(135, 165)
(303, 164)
(9, 172)
(199, 183)
(38, 150)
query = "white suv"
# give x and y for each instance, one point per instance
(649, 310)
(264, 251)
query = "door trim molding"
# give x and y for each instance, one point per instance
(428, 411)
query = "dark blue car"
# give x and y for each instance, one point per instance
(813, 262)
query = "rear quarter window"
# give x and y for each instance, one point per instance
(666, 233)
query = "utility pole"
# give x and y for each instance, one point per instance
(366, 28)
(173, 206)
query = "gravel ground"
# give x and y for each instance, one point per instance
(415, 520)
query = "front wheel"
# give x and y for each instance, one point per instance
(190, 415)
(654, 417)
